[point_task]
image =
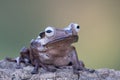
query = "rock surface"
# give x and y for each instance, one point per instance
(8, 71)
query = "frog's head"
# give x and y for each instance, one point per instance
(53, 35)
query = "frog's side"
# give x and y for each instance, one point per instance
(56, 48)
(24, 57)
(27, 57)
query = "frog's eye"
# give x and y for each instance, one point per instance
(76, 27)
(49, 31)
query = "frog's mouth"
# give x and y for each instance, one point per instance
(69, 39)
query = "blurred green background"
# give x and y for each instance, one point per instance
(99, 42)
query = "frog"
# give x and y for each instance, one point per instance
(54, 47)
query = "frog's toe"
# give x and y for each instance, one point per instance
(91, 70)
(34, 72)
(76, 72)
(53, 70)
(18, 67)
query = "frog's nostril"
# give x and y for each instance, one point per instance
(41, 34)
(49, 31)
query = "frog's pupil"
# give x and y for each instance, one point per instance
(78, 27)
(48, 31)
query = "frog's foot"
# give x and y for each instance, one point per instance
(10, 59)
(34, 72)
(88, 70)
(82, 67)
(75, 71)
(27, 64)
(51, 69)
(18, 67)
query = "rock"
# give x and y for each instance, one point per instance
(8, 71)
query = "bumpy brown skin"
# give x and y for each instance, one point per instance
(57, 51)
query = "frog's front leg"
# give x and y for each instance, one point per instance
(38, 63)
(36, 66)
(77, 64)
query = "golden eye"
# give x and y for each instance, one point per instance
(49, 31)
